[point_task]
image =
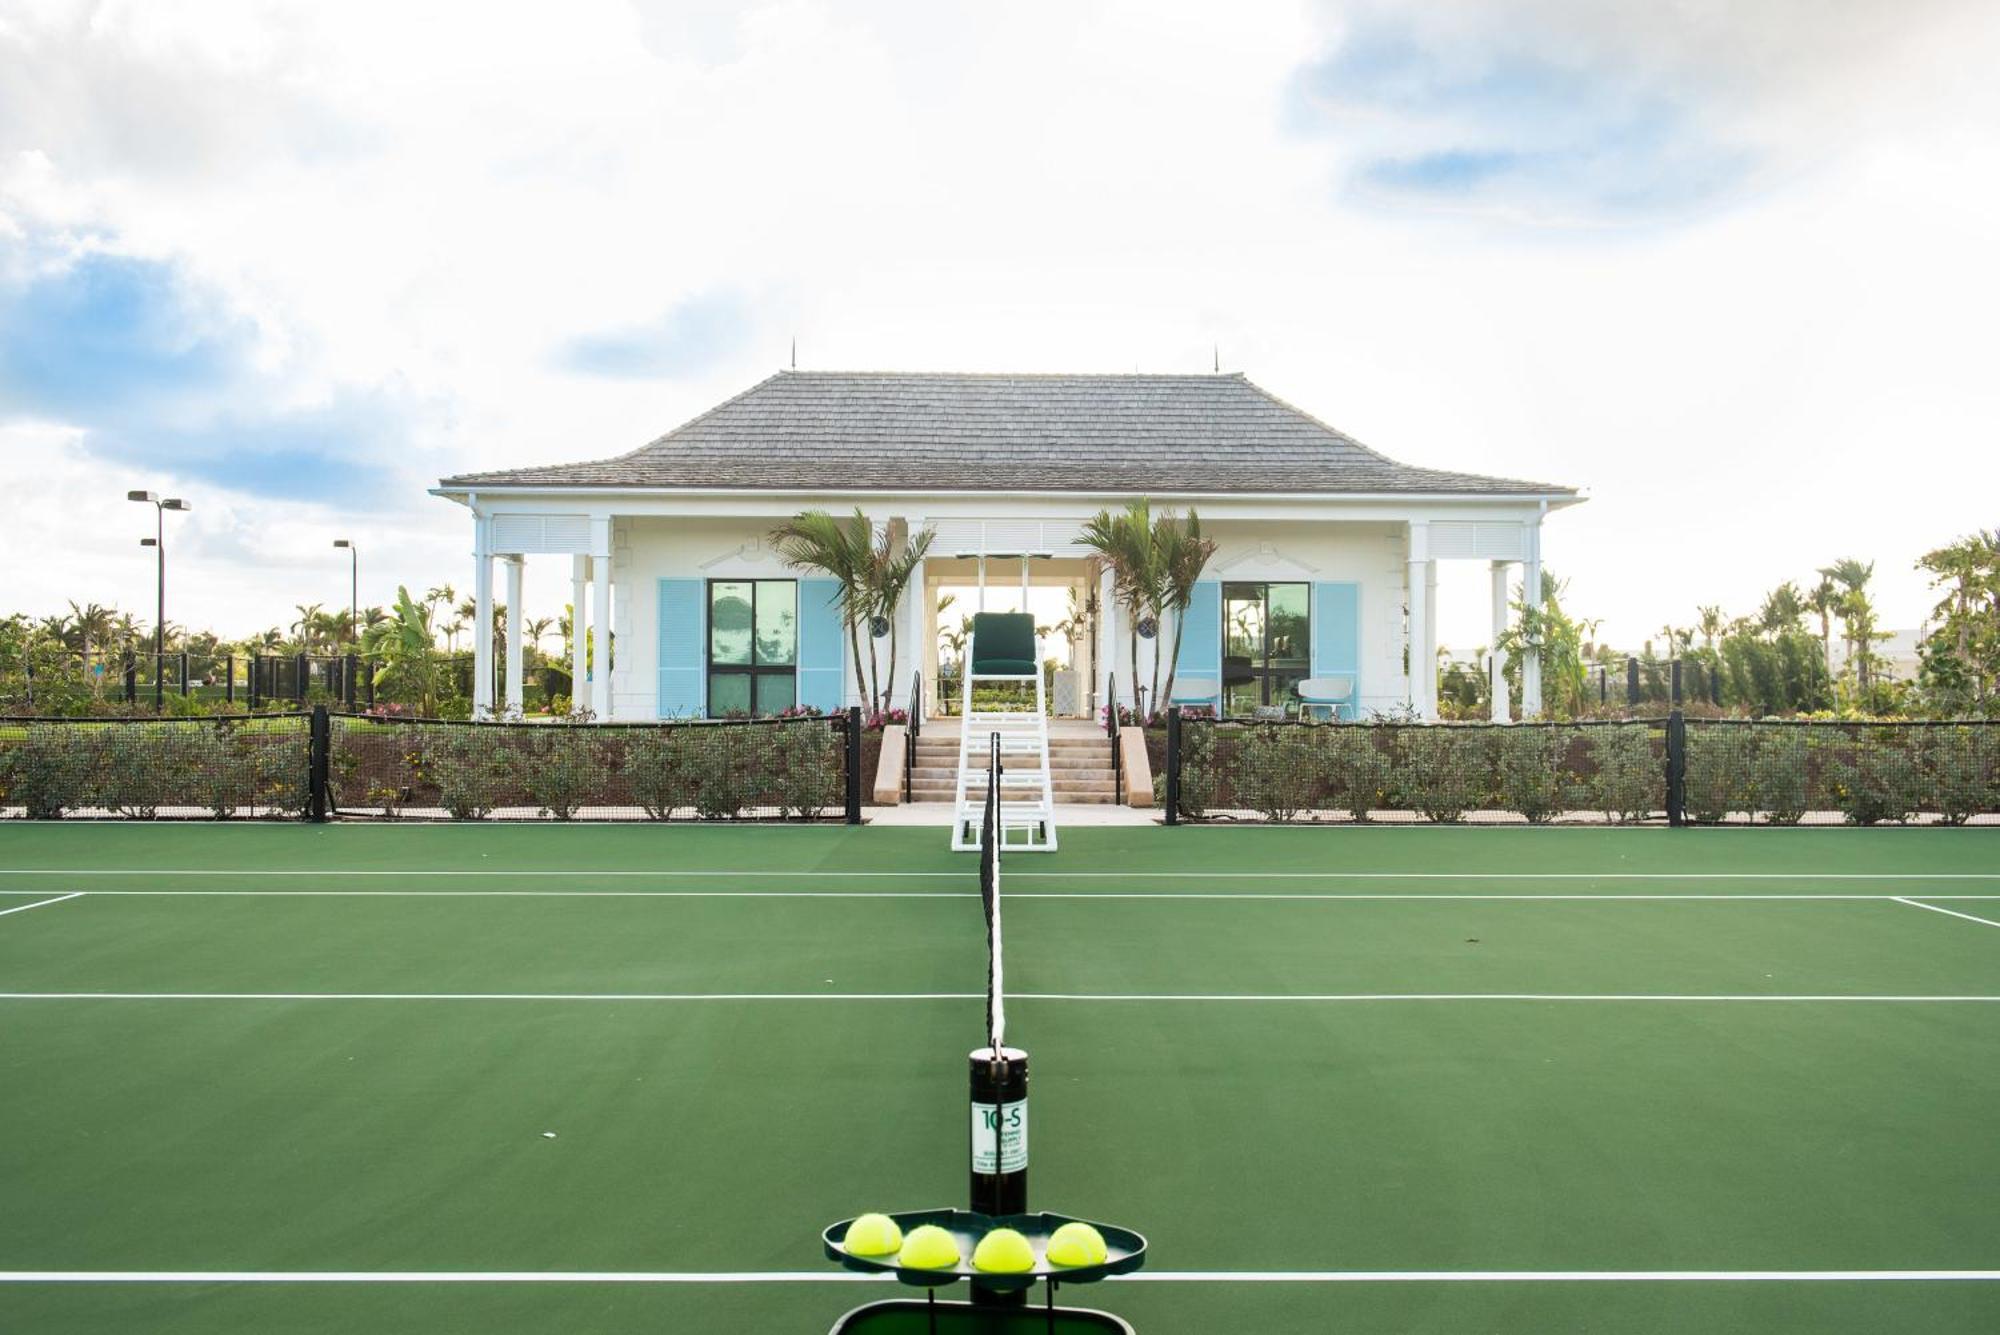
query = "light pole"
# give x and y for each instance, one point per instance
(353, 587)
(158, 543)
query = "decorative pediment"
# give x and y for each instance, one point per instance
(1264, 561)
(752, 552)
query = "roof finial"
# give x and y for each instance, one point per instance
(795, 352)
(1218, 358)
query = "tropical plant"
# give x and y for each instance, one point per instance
(1558, 638)
(1155, 563)
(892, 562)
(843, 549)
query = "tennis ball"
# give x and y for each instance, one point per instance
(1003, 1252)
(872, 1235)
(1075, 1244)
(929, 1247)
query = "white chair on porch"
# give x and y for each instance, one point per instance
(1198, 691)
(1332, 694)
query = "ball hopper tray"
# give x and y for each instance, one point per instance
(1125, 1251)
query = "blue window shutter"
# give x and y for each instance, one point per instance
(1336, 618)
(683, 648)
(1201, 639)
(822, 645)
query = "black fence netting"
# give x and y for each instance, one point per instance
(1362, 772)
(1846, 773)
(141, 768)
(771, 769)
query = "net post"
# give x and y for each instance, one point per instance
(318, 737)
(1676, 769)
(850, 746)
(1173, 765)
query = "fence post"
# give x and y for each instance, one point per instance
(30, 666)
(251, 663)
(1676, 769)
(317, 744)
(1674, 673)
(347, 680)
(229, 679)
(370, 679)
(299, 678)
(1631, 683)
(1714, 687)
(131, 678)
(1173, 764)
(852, 745)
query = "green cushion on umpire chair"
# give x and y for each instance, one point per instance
(1003, 644)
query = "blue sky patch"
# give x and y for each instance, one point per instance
(1471, 120)
(690, 339)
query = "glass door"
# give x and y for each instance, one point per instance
(1266, 644)
(753, 647)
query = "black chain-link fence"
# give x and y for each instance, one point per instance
(1852, 773)
(319, 764)
(762, 769)
(1363, 772)
(1683, 771)
(136, 769)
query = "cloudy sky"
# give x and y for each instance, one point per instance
(1727, 264)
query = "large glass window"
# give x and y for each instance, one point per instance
(1266, 644)
(753, 646)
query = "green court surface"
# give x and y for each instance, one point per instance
(298, 1078)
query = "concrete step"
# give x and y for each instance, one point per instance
(949, 774)
(1086, 799)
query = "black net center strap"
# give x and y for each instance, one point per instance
(989, 897)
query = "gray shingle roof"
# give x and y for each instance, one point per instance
(911, 431)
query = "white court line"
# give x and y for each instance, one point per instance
(23, 908)
(1915, 904)
(1195, 895)
(840, 1277)
(727, 873)
(1681, 997)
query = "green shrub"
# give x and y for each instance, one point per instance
(46, 771)
(805, 763)
(654, 770)
(1360, 776)
(1197, 771)
(1961, 772)
(1533, 771)
(1779, 777)
(1877, 781)
(562, 767)
(1278, 771)
(470, 767)
(130, 765)
(1443, 771)
(1628, 779)
(1719, 760)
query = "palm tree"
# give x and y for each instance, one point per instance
(452, 630)
(1856, 613)
(1781, 610)
(1124, 542)
(1822, 600)
(842, 548)
(891, 565)
(308, 624)
(1180, 554)
(1710, 624)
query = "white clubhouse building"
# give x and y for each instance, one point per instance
(1325, 569)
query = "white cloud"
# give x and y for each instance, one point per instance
(432, 202)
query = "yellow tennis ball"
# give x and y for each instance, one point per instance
(1003, 1252)
(872, 1235)
(1076, 1243)
(929, 1247)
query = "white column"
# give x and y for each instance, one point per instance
(1417, 582)
(514, 698)
(1430, 679)
(600, 618)
(579, 658)
(916, 600)
(1497, 676)
(1531, 594)
(482, 623)
(1109, 638)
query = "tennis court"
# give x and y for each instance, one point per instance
(299, 1078)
